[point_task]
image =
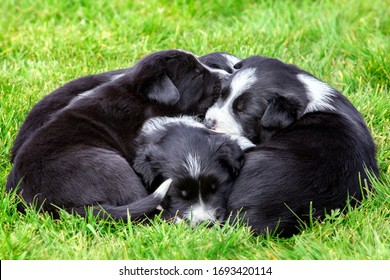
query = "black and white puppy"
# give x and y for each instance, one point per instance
(81, 87)
(82, 155)
(314, 149)
(201, 163)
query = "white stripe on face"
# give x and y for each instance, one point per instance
(200, 212)
(223, 114)
(193, 166)
(319, 94)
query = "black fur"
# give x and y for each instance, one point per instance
(306, 156)
(81, 155)
(202, 164)
(41, 113)
(55, 101)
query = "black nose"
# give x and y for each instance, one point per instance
(238, 65)
(210, 123)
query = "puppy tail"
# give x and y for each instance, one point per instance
(133, 211)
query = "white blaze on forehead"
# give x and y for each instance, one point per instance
(242, 80)
(193, 166)
(319, 94)
(223, 114)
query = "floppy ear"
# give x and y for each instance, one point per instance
(280, 113)
(163, 91)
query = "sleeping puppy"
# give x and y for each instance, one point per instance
(79, 88)
(58, 99)
(201, 163)
(314, 150)
(82, 155)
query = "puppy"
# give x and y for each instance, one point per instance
(314, 151)
(82, 155)
(58, 99)
(82, 87)
(202, 165)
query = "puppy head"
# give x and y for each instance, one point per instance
(263, 97)
(178, 79)
(202, 165)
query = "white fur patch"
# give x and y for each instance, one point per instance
(200, 212)
(193, 166)
(156, 124)
(319, 94)
(223, 114)
(162, 190)
(241, 82)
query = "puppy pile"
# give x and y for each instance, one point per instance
(202, 139)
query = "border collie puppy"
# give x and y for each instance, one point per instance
(82, 155)
(202, 165)
(84, 86)
(314, 150)
(58, 99)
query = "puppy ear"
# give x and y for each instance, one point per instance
(163, 91)
(231, 157)
(280, 113)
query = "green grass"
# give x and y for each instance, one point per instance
(44, 44)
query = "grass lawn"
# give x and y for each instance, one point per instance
(45, 43)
